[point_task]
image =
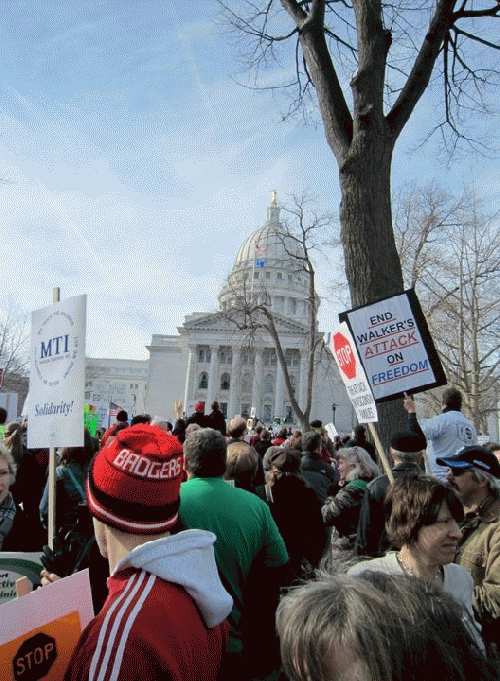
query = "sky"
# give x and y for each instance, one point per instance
(135, 163)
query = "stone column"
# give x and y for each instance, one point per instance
(279, 409)
(235, 384)
(190, 378)
(257, 381)
(212, 377)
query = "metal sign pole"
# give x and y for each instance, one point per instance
(52, 468)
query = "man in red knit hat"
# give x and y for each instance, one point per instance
(165, 614)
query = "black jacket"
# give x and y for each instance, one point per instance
(198, 418)
(322, 477)
(371, 539)
(217, 421)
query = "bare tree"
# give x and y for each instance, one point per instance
(301, 235)
(450, 253)
(14, 355)
(392, 49)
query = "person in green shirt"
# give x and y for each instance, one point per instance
(3, 418)
(249, 551)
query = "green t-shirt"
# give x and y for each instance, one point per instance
(244, 529)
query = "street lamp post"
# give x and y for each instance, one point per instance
(334, 409)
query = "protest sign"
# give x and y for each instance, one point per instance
(14, 565)
(44, 628)
(395, 346)
(358, 389)
(57, 375)
(331, 430)
(90, 418)
(102, 409)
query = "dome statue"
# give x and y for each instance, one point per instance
(267, 266)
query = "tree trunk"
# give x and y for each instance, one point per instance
(373, 268)
(372, 263)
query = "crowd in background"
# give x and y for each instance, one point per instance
(362, 559)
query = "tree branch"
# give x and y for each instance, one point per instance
(420, 74)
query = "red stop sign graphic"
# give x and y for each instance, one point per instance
(345, 355)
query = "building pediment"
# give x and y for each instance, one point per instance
(212, 322)
(231, 322)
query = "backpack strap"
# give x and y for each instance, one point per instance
(75, 482)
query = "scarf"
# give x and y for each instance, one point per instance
(8, 512)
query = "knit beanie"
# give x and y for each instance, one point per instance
(199, 406)
(134, 481)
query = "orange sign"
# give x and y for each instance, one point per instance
(39, 631)
(43, 653)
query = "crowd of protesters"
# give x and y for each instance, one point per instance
(226, 551)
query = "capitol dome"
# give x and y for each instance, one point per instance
(266, 270)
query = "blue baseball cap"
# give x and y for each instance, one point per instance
(473, 457)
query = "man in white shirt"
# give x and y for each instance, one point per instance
(446, 433)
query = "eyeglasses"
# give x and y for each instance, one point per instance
(457, 472)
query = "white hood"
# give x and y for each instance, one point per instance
(187, 559)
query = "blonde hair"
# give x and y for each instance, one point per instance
(13, 440)
(9, 460)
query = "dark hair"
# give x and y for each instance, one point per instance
(284, 463)
(180, 430)
(81, 455)
(215, 405)
(360, 432)
(205, 451)
(393, 627)
(236, 427)
(140, 418)
(452, 398)
(118, 427)
(3, 415)
(283, 434)
(311, 442)
(122, 415)
(241, 464)
(265, 435)
(414, 501)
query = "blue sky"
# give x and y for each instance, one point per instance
(136, 166)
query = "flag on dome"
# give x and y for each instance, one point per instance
(260, 251)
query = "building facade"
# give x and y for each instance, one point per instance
(119, 381)
(215, 358)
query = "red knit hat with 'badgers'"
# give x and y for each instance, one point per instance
(134, 481)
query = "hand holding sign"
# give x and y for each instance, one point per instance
(409, 404)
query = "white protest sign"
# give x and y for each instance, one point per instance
(343, 348)
(395, 346)
(57, 375)
(44, 628)
(102, 409)
(331, 430)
